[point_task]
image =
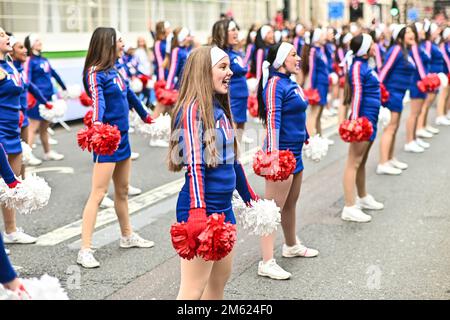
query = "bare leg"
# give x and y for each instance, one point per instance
(9, 215)
(218, 278)
(361, 174)
(195, 274)
(388, 138)
(288, 216)
(411, 122)
(33, 128)
(356, 153)
(43, 133)
(121, 177)
(442, 100)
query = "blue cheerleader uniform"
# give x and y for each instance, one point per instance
(396, 74)
(41, 74)
(445, 49)
(249, 52)
(422, 61)
(178, 59)
(238, 87)
(380, 53)
(159, 51)
(365, 92)
(318, 72)
(436, 57)
(11, 87)
(209, 188)
(285, 106)
(112, 99)
(298, 43)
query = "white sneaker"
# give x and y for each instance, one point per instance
(135, 241)
(134, 155)
(328, 141)
(7, 251)
(354, 214)
(422, 133)
(272, 270)
(159, 143)
(422, 143)
(86, 259)
(388, 169)
(18, 237)
(246, 139)
(398, 164)
(298, 250)
(369, 203)
(133, 191)
(442, 121)
(413, 147)
(106, 203)
(431, 129)
(33, 161)
(53, 155)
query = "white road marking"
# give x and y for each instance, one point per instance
(67, 170)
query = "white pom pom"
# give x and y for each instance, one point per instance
(57, 112)
(252, 85)
(384, 117)
(74, 91)
(316, 149)
(136, 85)
(31, 194)
(45, 288)
(26, 152)
(444, 79)
(159, 129)
(262, 218)
(334, 78)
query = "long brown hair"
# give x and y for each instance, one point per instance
(197, 86)
(160, 31)
(220, 34)
(102, 52)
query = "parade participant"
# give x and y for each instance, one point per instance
(40, 74)
(264, 39)
(179, 53)
(330, 52)
(224, 34)
(159, 51)
(396, 75)
(380, 50)
(11, 88)
(363, 95)
(203, 141)
(315, 65)
(341, 66)
(444, 95)
(250, 45)
(282, 108)
(299, 40)
(421, 60)
(109, 93)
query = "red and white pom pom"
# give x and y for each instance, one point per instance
(274, 166)
(252, 106)
(357, 130)
(74, 91)
(384, 117)
(85, 100)
(316, 149)
(443, 79)
(184, 245)
(333, 78)
(136, 85)
(312, 95)
(166, 97)
(218, 238)
(105, 139)
(87, 119)
(30, 195)
(252, 85)
(84, 139)
(54, 114)
(45, 288)
(261, 218)
(159, 129)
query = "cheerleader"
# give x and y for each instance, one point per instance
(180, 48)
(432, 32)
(203, 141)
(380, 50)
(341, 69)
(159, 52)
(282, 108)
(443, 97)
(225, 36)
(264, 39)
(250, 45)
(11, 88)
(298, 42)
(396, 75)
(315, 65)
(40, 74)
(110, 96)
(330, 52)
(364, 97)
(421, 60)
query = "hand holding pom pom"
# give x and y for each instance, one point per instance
(357, 130)
(84, 139)
(53, 111)
(316, 149)
(87, 119)
(196, 222)
(85, 100)
(105, 139)
(313, 96)
(184, 245)
(274, 166)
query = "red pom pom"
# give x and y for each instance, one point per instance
(422, 86)
(21, 118)
(84, 138)
(384, 93)
(160, 84)
(337, 68)
(357, 130)
(167, 97)
(85, 100)
(218, 238)
(277, 165)
(341, 82)
(313, 96)
(183, 245)
(252, 106)
(105, 139)
(31, 101)
(87, 120)
(435, 82)
(250, 75)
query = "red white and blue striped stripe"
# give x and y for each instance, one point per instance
(357, 89)
(93, 90)
(271, 113)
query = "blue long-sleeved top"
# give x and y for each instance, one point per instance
(41, 74)
(159, 52)
(318, 67)
(397, 71)
(365, 87)
(11, 86)
(298, 43)
(238, 83)
(285, 106)
(445, 49)
(380, 53)
(5, 169)
(202, 180)
(422, 61)
(330, 50)
(28, 87)
(178, 59)
(436, 57)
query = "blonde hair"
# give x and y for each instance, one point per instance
(197, 87)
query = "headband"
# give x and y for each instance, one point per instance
(308, 37)
(277, 36)
(231, 25)
(33, 39)
(298, 28)
(253, 35)
(396, 30)
(377, 33)
(347, 38)
(426, 25)
(282, 54)
(166, 24)
(264, 31)
(353, 28)
(433, 28)
(419, 26)
(183, 34)
(217, 54)
(365, 45)
(316, 36)
(12, 41)
(446, 33)
(169, 42)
